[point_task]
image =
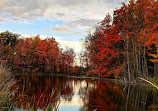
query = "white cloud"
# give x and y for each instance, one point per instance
(77, 46)
(66, 10)
(77, 26)
(77, 33)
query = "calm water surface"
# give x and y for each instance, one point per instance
(75, 94)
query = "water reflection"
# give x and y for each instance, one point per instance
(83, 94)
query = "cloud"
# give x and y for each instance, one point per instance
(84, 23)
(60, 29)
(2, 20)
(64, 28)
(57, 9)
(77, 33)
(78, 14)
(77, 46)
(81, 25)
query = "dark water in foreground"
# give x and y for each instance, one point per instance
(74, 94)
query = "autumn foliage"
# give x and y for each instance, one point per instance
(35, 54)
(121, 45)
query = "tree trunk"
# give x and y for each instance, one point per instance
(156, 69)
(128, 67)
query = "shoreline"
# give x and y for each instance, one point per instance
(120, 81)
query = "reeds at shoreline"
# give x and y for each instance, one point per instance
(6, 94)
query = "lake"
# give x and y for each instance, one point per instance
(79, 94)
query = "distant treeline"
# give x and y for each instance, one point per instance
(125, 44)
(35, 55)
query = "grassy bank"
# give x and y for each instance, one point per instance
(6, 82)
(153, 80)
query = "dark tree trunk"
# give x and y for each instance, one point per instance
(156, 69)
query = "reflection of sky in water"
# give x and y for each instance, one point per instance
(69, 108)
(61, 108)
(76, 103)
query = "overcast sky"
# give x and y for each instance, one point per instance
(66, 20)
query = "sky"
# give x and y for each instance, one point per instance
(68, 21)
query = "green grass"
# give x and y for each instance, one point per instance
(153, 80)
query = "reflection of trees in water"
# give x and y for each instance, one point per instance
(36, 91)
(102, 96)
(95, 94)
(140, 98)
(106, 96)
(85, 88)
(66, 88)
